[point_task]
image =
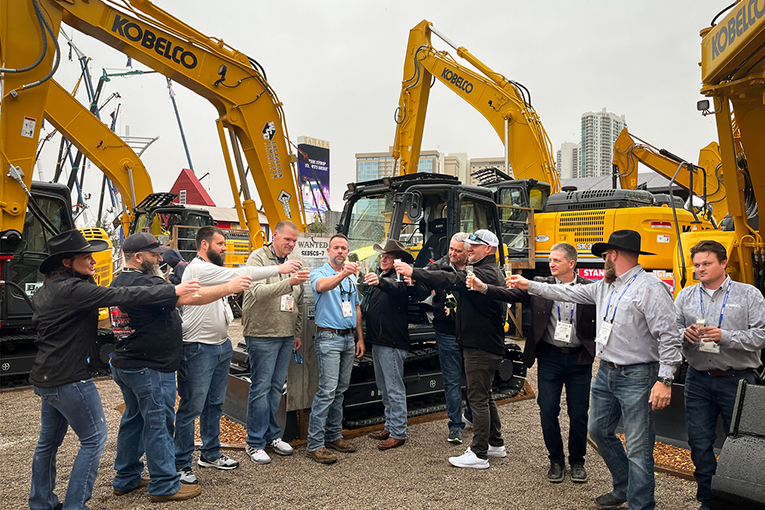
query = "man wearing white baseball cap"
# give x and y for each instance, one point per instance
(480, 333)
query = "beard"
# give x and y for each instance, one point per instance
(151, 268)
(610, 274)
(215, 257)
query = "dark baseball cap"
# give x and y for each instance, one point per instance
(143, 241)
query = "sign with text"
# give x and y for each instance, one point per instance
(312, 250)
(313, 172)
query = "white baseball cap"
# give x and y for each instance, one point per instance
(483, 236)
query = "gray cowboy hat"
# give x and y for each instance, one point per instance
(394, 247)
(624, 240)
(66, 245)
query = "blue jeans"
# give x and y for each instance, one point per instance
(269, 360)
(554, 371)
(146, 426)
(623, 393)
(389, 376)
(335, 356)
(450, 358)
(77, 405)
(202, 382)
(706, 398)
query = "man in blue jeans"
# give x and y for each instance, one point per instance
(149, 344)
(273, 321)
(639, 347)
(449, 351)
(338, 314)
(207, 350)
(723, 324)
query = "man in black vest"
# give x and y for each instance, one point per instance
(562, 337)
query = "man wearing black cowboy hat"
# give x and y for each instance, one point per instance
(639, 347)
(388, 334)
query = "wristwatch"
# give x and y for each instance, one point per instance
(666, 381)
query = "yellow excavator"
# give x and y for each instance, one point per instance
(579, 218)
(706, 179)
(250, 123)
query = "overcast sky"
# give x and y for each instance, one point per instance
(337, 67)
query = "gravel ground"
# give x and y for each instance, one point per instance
(414, 476)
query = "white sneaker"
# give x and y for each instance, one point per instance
(469, 460)
(187, 476)
(467, 422)
(497, 451)
(280, 447)
(221, 462)
(258, 456)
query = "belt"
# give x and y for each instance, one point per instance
(727, 373)
(563, 350)
(612, 365)
(336, 331)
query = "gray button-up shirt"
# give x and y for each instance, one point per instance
(743, 325)
(644, 329)
(567, 314)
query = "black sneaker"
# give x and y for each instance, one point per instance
(556, 473)
(578, 473)
(609, 501)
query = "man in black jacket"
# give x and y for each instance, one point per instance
(449, 351)
(480, 333)
(562, 337)
(388, 334)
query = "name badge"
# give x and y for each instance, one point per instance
(563, 332)
(288, 303)
(710, 347)
(347, 309)
(605, 333)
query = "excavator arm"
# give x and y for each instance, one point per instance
(708, 182)
(247, 106)
(499, 100)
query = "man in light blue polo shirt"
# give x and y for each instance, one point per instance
(336, 298)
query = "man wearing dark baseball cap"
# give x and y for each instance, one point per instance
(149, 346)
(639, 346)
(480, 332)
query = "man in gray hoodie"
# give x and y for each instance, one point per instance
(272, 319)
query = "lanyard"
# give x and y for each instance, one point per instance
(722, 309)
(278, 259)
(605, 317)
(571, 319)
(348, 292)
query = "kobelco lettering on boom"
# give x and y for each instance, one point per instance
(148, 39)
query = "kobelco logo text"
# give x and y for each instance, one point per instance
(457, 80)
(745, 17)
(148, 39)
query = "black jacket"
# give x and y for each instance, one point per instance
(541, 309)
(480, 319)
(386, 318)
(66, 318)
(441, 322)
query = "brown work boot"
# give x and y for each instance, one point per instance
(381, 435)
(185, 492)
(342, 445)
(391, 442)
(144, 482)
(322, 456)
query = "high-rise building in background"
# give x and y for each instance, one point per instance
(599, 132)
(376, 165)
(458, 165)
(567, 160)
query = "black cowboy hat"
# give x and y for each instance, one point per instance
(394, 247)
(624, 240)
(66, 245)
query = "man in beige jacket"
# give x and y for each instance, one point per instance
(272, 327)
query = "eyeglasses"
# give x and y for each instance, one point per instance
(473, 237)
(604, 255)
(298, 357)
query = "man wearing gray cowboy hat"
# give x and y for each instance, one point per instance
(388, 334)
(639, 346)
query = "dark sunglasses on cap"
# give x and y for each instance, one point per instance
(473, 237)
